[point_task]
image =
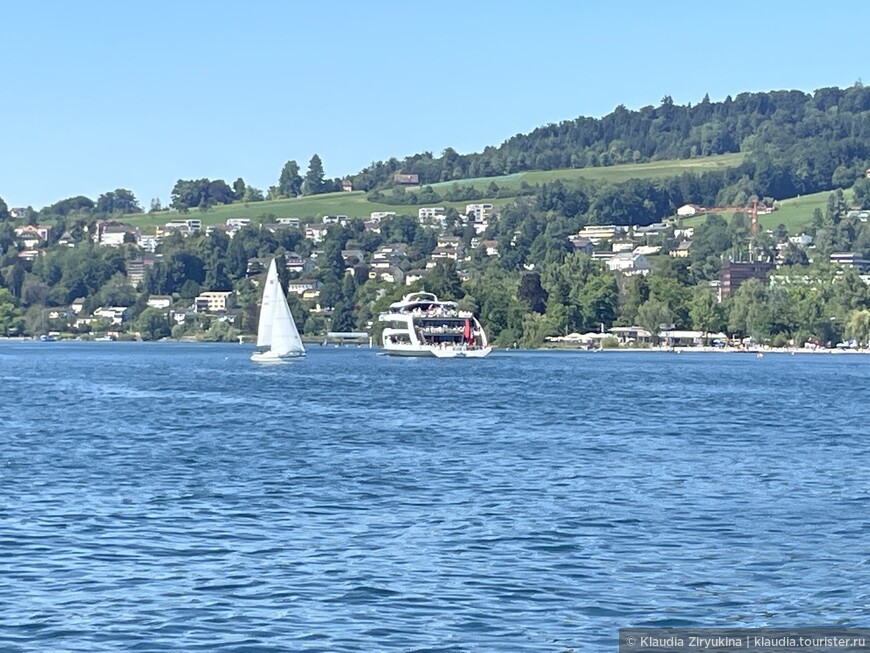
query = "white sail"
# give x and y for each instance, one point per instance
(267, 307)
(277, 330)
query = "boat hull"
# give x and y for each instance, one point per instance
(269, 357)
(436, 352)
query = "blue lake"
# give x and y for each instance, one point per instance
(177, 497)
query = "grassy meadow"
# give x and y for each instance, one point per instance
(795, 213)
(355, 204)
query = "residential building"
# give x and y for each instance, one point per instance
(112, 314)
(315, 232)
(481, 212)
(583, 245)
(136, 270)
(353, 256)
(301, 286)
(597, 233)
(414, 275)
(289, 222)
(851, 260)
(388, 255)
(803, 240)
(490, 247)
(77, 305)
(448, 241)
(406, 179)
(66, 240)
(30, 254)
(734, 273)
(452, 253)
(682, 250)
(32, 235)
(183, 226)
(655, 229)
(160, 302)
(149, 243)
(347, 185)
(213, 301)
(390, 275)
(629, 264)
(647, 250)
(430, 213)
(377, 216)
(114, 234)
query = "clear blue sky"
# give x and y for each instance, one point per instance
(136, 94)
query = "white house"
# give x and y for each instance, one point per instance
(629, 263)
(213, 301)
(114, 314)
(481, 212)
(160, 302)
(801, 241)
(380, 215)
(688, 210)
(429, 213)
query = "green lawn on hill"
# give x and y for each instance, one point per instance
(355, 204)
(795, 213)
(613, 174)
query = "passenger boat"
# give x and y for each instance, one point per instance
(422, 325)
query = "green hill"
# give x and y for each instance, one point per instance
(613, 174)
(795, 213)
(355, 204)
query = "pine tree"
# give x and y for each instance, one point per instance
(313, 183)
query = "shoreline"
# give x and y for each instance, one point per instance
(706, 350)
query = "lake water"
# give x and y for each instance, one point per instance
(177, 497)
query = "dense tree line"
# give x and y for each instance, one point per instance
(796, 142)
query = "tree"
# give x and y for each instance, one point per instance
(11, 322)
(252, 195)
(313, 183)
(654, 315)
(748, 313)
(532, 293)
(153, 324)
(290, 182)
(443, 280)
(4, 210)
(342, 317)
(239, 188)
(858, 327)
(705, 311)
(119, 200)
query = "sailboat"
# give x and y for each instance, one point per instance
(277, 336)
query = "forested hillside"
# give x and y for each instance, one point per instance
(797, 142)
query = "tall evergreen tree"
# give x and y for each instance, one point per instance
(313, 183)
(290, 183)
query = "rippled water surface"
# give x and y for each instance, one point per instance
(170, 497)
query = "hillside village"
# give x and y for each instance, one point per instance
(553, 235)
(624, 251)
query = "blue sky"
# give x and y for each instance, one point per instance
(98, 95)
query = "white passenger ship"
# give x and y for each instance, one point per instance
(421, 325)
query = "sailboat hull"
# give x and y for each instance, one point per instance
(272, 357)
